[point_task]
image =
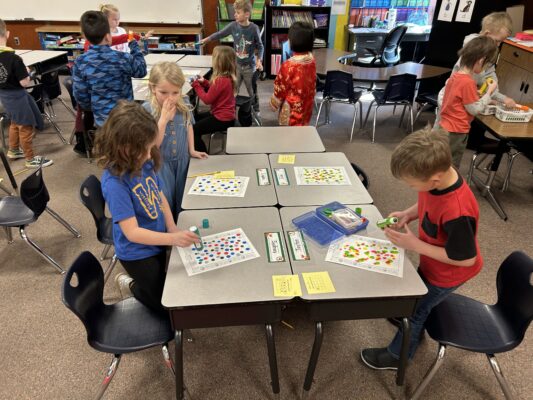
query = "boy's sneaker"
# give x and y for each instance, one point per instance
(123, 282)
(38, 161)
(379, 359)
(14, 154)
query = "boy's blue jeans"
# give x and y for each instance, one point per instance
(433, 297)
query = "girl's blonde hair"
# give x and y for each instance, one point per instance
(224, 65)
(496, 21)
(172, 73)
(108, 9)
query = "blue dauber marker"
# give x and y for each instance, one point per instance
(196, 231)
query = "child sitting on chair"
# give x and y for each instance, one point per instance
(295, 84)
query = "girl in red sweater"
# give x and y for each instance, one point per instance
(219, 92)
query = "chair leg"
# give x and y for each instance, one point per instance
(168, 360)
(411, 117)
(70, 110)
(471, 169)
(318, 114)
(431, 372)
(374, 123)
(368, 111)
(106, 249)
(499, 376)
(360, 114)
(34, 246)
(403, 114)
(510, 163)
(109, 269)
(354, 119)
(71, 138)
(9, 235)
(63, 222)
(4, 187)
(2, 132)
(109, 375)
(54, 125)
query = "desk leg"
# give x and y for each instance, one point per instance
(271, 345)
(319, 335)
(179, 363)
(404, 352)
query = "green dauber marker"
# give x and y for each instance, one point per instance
(196, 231)
(386, 222)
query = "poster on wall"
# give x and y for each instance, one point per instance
(447, 8)
(464, 11)
(338, 7)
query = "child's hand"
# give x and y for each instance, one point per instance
(492, 86)
(403, 219)
(199, 154)
(258, 64)
(149, 34)
(203, 41)
(509, 102)
(200, 79)
(168, 111)
(406, 239)
(184, 238)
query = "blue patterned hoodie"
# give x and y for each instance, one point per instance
(102, 77)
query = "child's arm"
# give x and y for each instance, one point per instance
(134, 233)
(190, 141)
(476, 107)
(227, 30)
(138, 64)
(168, 111)
(405, 216)
(280, 88)
(260, 49)
(80, 88)
(212, 93)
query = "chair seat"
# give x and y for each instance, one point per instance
(488, 146)
(241, 100)
(13, 212)
(470, 325)
(429, 98)
(128, 326)
(105, 231)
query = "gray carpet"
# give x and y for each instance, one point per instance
(45, 355)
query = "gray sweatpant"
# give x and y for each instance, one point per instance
(245, 73)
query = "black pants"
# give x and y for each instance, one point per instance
(206, 124)
(148, 280)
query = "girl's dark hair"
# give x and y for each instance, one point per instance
(122, 142)
(481, 47)
(301, 37)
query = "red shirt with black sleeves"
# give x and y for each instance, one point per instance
(449, 218)
(460, 90)
(219, 95)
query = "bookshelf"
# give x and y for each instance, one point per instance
(277, 22)
(367, 12)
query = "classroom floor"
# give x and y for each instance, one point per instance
(45, 355)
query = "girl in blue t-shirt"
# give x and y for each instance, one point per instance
(127, 148)
(173, 113)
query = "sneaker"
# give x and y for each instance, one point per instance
(123, 282)
(379, 359)
(37, 161)
(14, 154)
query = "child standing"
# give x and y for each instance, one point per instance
(221, 90)
(246, 40)
(461, 101)
(173, 113)
(19, 105)
(102, 76)
(127, 147)
(295, 84)
(113, 17)
(448, 215)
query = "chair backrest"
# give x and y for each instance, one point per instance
(286, 51)
(400, 88)
(36, 91)
(33, 192)
(83, 288)
(390, 50)
(68, 83)
(339, 85)
(51, 85)
(244, 110)
(92, 198)
(515, 291)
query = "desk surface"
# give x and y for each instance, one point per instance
(39, 56)
(351, 282)
(326, 60)
(308, 195)
(18, 52)
(508, 130)
(246, 282)
(196, 61)
(154, 58)
(243, 165)
(270, 139)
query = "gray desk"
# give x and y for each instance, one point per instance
(360, 294)
(240, 294)
(45, 60)
(243, 165)
(274, 139)
(196, 61)
(299, 195)
(154, 58)
(18, 52)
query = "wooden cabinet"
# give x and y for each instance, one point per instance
(515, 72)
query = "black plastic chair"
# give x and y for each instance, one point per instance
(52, 91)
(361, 174)
(92, 198)
(37, 92)
(3, 122)
(21, 211)
(400, 91)
(124, 327)
(467, 324)
(388, 55)
(339, 89)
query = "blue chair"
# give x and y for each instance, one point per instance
(400, 91)
(339, 89)
(124, 327)
(468, 324)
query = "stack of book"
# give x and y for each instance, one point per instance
(284, 19)
(319, 43)
(275, 63)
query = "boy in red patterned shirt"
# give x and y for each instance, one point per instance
(295, 85)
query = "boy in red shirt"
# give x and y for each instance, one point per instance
(295, 85)
(447, 214)
(461, 100)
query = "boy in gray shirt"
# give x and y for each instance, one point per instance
(246, 40)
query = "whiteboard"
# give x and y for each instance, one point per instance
(156, 11)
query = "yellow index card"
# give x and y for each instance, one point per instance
(225, 175)
(318, 282)
(286, 158)
(286, 285)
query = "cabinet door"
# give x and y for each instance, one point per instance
(527, 93)
(511, 79)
